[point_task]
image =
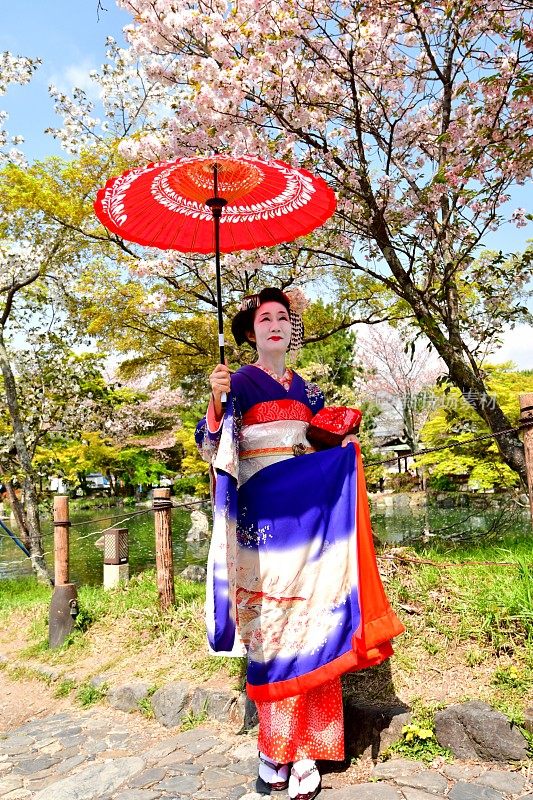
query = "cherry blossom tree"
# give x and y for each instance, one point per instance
(19, 70)
(39, 260)
(400, 379)
(20, 268)
(417, 113)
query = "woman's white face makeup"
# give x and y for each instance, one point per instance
(272, 328)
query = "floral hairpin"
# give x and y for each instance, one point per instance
(298, 302)
(247, 303)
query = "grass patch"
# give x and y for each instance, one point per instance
(192, 720)
(88, 695)
(473, 622)
(419, 743)
(27, 673)
(65, 688)
(468, 633)
(418, 740)
(145, 705)
(22, 593)
(146, 708)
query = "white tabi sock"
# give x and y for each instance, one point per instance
(306, 784)
(269, 774)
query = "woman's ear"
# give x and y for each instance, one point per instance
(250, 335)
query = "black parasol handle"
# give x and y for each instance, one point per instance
(216, 204)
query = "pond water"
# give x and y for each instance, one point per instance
(86, 562)
(435, 525)
(394, 525)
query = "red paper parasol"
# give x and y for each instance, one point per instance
(214, 204)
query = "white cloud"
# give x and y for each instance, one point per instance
(517, 347)
(77, 75)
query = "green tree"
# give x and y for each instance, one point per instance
(329, 358)
(454, 420)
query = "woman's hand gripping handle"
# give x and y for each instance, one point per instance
(220, 380)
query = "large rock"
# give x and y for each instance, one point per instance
(396, 767)
(427, 780)
(95, 781)
(475, 730)
(199, 526)
(127, 696)
(471, 791)
(215, 703)
(371, 729)
(243, 714)
(170, 703)
(502, 781)
(194, 573)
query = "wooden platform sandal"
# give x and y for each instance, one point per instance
(276, 786)
(301, 776)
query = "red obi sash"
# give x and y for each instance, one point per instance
(275, 410)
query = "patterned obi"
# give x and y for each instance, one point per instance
(272, 431)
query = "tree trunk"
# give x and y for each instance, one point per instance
(409, 426)
(452, 352)
(34, 526)
(29, 486)
(18, 512)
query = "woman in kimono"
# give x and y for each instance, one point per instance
(292, 576)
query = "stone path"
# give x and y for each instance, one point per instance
(85, 755)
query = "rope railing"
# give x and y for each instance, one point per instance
(448, 446)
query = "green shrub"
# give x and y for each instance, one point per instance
(189, 485)
(402, 482)
(87, 694)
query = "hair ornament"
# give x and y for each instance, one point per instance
(252, 301)
(297, 300)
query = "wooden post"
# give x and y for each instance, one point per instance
(526, 418)
(64, 605)
(61, 544)
(162, 506)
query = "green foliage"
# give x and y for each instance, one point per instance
(74, 459)
(195, 471)
(87, 695)
(418, 742)
(146, 708)
(512, 677)
(65, 688)
(454, 421)
(59, 393)
(189, 485)
(192, 720)
(137, 466)
(330, 361)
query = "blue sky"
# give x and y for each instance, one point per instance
(69, 37)
(70, 40)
